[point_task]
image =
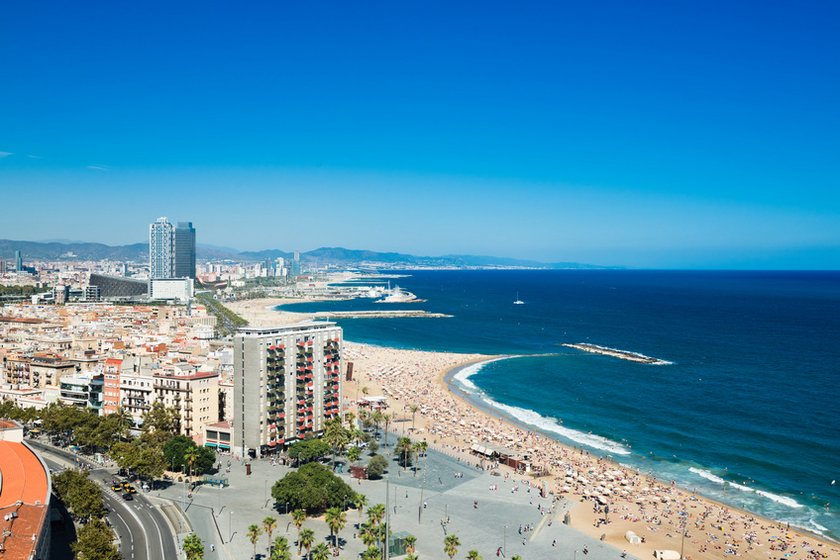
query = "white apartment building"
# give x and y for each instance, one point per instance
(286, 384)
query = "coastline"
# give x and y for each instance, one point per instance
(644, 505)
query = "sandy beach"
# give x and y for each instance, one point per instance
(651, 509)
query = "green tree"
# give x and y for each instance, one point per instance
(306, 540)
(359, 502)
(269, 524)
(413, 408)
(320, 552)
(450, 545)
(473, 555)
(419, 449)
(410, 544)
(313, 487)
(386, 419)
(336, 519)
(376, 513)
(298, 517)
(95, 541)
(404, 450)
(193, 547)
(254, 533)
(336, 436)
(280, 549)
(354, 454)
(515, 557)
(411, 556)
(80, 494)
(160, 423)
(308, 450)
(377, 466)
(372, 553)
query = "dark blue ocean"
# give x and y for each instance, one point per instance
(747, 413)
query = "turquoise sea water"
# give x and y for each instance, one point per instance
(747, 412)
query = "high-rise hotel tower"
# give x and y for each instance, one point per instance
(171, 250)
(287, 383)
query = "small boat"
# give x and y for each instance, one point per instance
(518, 301)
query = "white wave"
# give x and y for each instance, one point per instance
(535, 419)
(784, 500)
(463, 376)
(707, 475)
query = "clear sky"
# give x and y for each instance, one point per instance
(669, 134)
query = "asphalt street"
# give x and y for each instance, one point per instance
(140, 526)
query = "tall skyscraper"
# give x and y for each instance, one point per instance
(287, 383)
(161, 249)
(185, 250)
(18, 261)
(296, 264)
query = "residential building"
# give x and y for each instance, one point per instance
(137, 394)
(111, 389)
(194, 395)
(37, 371)
(286, 384)
(84, 390)
(184, 251)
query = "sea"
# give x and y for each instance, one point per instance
(744, 412)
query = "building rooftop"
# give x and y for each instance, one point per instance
(24, 498)
(303, 326)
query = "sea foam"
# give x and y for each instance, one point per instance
(533, 418)
(784, 500)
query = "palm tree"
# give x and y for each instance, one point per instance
(473, 555)
(336, 435)
(376, 513)
(280, 549)
(413, 408)
(190, 458)
(350, 418)
(372, 553)
(516, 557)
(320, 552)
(410, 544)
(354, 454)
(254, 533)
(450, 545)
(269, 524)
(411, 556)
(377, 418)
(419, 449)
(306, 540)
(359, 502)
(336, 519)
(298, 517)
(369, 533)
(403, 449)
(386, 419)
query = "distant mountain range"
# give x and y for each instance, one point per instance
(139, 252)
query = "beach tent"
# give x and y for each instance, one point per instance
(666, 555)
(632, 537)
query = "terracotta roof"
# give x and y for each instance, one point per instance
(24, 491)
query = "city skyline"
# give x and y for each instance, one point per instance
(658, 136)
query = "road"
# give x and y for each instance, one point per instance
(140, 526)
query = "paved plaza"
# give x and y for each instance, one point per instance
(486, 512)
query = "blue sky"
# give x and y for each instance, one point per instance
(671, 134)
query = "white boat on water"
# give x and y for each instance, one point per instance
(518, 301)
(397, 295)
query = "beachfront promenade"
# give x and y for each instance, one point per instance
(494, 523)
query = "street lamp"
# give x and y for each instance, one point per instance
(230, 524)
(504, 541)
